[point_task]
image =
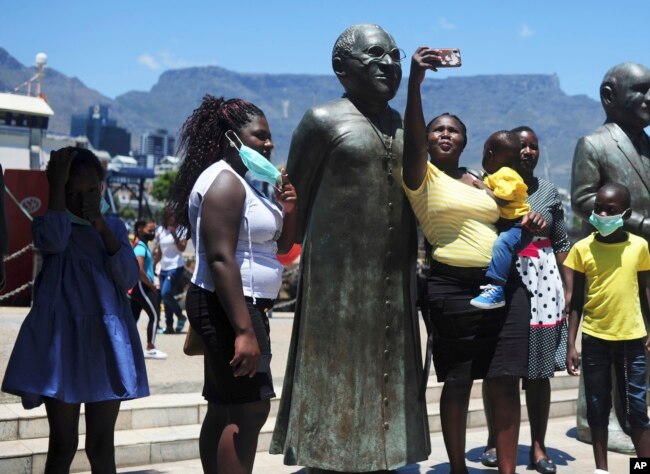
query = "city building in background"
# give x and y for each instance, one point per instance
(102, 131)
(159, 144)
(157, 151)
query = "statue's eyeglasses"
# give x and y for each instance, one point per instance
(377, 53)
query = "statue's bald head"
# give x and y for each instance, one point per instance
(623, 75)
(345, 41)
(367, 62)
(623, 91)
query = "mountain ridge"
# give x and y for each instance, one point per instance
(485, 103)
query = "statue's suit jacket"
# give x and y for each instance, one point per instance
(608, 155)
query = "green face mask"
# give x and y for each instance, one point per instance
(75, 219)
(606, 225)
(257, 165)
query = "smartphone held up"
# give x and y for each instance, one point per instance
(449, 57)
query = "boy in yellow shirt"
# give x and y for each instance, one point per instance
(613, 265)
(507, 188)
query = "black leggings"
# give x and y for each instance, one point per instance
(143, 297)
(63, 419)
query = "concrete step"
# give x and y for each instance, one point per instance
(167, 429)
(177, 409)
(156, 411)
(563, 403)
(561, 381)
(132, 447)
(569, 454)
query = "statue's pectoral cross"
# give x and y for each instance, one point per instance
(389, 161)
(388, 158)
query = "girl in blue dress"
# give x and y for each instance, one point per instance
(79, 342)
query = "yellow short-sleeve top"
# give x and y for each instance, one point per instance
(508, 185)
(457, 219)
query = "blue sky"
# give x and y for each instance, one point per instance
(117, 46)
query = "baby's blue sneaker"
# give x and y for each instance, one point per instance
(491, 297)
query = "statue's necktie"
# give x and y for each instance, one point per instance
(642, 145)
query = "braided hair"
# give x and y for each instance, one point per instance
(202, 142)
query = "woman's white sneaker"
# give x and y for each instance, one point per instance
(154, 354)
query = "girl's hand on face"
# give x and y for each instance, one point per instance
(91, 207)
(286, 194)
(58, 168)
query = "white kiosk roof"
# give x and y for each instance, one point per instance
(24, 104)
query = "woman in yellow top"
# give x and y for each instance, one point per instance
(507, 188)
(458, 220)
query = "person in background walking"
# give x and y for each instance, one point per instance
(170, 242)
(145, 294)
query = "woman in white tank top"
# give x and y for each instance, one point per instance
(169, 245)
(237, 232)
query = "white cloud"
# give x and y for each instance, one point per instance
(169, 61)
(166, 60)
(149, 61)
(526, 31)
(446, 24)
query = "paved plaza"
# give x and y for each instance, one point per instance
(182, 374)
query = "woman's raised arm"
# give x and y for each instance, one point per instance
(415, 134)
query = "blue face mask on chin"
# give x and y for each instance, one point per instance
(257, 165)
(606, 225)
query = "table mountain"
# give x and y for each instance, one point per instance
(485, 103)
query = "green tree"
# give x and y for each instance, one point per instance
(162, 186)
(128, 213)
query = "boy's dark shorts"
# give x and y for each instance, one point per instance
(628, 359)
